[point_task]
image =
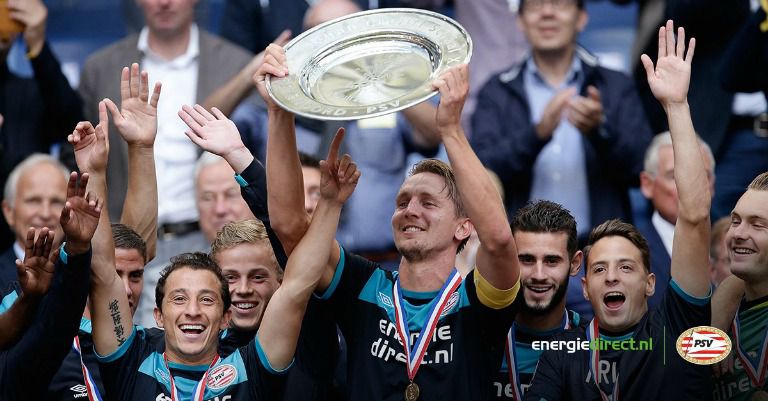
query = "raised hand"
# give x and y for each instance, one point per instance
(453, 85)
(274, 64)
(91, 144)
(137, 120)
(338, 178)
(216, 134)
(36, 271)
(80, 215)
(669, 81)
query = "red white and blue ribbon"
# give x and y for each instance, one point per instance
(511, 355)
(90, 384)
(414, 355)
(197, 394)
(756, 373)
(593, 332)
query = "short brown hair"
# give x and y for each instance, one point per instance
(445, 171)
(234, 233)
(618, 228)
(760, 183)
(194, 261)
(126, 238)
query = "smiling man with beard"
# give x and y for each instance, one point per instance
(545, 235)
(618, 278)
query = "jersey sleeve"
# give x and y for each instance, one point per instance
(120, 369)
(683, 311)
(265, 382)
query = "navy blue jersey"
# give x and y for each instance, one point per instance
(136, 371)
(317, 353)
(655, 374)
(527, 357)
(462, 358)
(28, 366)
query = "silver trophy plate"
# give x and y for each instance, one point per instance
(369, 63)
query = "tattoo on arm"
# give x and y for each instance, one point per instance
(117, 322)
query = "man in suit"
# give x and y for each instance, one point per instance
(657, 183)
(34, 196)
(190, 63)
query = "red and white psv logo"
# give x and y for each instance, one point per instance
(221, 376)
(703, 345)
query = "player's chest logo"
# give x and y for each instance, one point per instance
(221, 376)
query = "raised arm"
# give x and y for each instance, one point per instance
(136, 122)
(497, 256)
(229, 95)
(110, 312)
(284, 177)
(281, 324)
(669, 83)
(35, 279)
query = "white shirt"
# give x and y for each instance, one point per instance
(665, 229)
(175, 154)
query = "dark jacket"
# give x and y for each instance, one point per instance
(505, 139)
(661, 261)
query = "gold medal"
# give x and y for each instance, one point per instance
(759, 396)
(412, 392)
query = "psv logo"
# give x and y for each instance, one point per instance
(703, 345)
(221, 376)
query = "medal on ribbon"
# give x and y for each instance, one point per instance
(756, 370)
(197, 394)
(415, 355)
(593, 332)
(90, 384)
(511, 355)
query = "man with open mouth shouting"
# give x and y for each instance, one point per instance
(618, 278)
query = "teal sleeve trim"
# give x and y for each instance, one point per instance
(120, 351)
(240, 180)
(690, 298)
(265, 361)
(63, 254)
(336, 277)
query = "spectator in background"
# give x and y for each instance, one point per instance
(657, 183)
(719, 258)
(36, 112)
(558, 126)
(218, 201)
(724, 115)
(190, 63)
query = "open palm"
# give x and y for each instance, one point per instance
(36, 271)
(669, 80)
(91, 144)
(80, 215)
(136, 121)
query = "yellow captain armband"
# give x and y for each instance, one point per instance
(764, 24)
(491, 296)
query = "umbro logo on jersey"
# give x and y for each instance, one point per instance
(221, 376)
(385, 300)
(703, 345)
(80, 391)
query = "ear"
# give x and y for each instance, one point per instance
(581, 23)
(585, 287)
(646, 184)
(464, 230)
(158, 317)
(576, 263)
(650, 285)
(8, 212)
(225, 321)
